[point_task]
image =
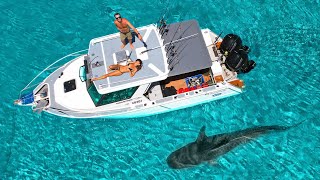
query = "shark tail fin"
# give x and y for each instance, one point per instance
(286, 127)
(298, 124)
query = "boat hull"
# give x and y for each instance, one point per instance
(142, 108)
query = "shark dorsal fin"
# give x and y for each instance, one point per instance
(202, 134)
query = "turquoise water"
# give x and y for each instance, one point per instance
(283, 89)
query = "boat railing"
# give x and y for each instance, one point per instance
(234, 88)
(52, 67)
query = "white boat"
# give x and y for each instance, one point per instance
(183, 66)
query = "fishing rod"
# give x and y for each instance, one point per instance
(163, 28)
(167, 48)
(217, 38)
(186, 30)
(161, 19)
(174, 52)
(181, 35)
(163, 15)
(176, 57)
(172, 59)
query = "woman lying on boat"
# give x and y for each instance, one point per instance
(118, 70)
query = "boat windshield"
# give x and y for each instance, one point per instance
(103, 99)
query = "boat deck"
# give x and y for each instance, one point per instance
(106, 51)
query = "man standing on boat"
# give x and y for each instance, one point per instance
(123, 25)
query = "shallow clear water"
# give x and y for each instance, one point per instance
(283, 89)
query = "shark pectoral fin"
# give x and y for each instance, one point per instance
(202, 134)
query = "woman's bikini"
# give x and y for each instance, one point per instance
(118, 68)
(130, 69)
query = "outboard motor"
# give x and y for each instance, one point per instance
(236, 54)
(248, 67)
(230, 43)
(238, 61)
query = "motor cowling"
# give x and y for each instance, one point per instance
(236, 54)
(248, 67)
(230, 43)
(238, 61)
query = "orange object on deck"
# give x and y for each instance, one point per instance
(218, 44)
(239, 83)
(218, 78)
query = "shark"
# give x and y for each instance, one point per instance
(208, 148)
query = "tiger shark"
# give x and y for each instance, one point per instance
(208, 148)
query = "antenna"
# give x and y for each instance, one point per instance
(178, 40)
(217, 38)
